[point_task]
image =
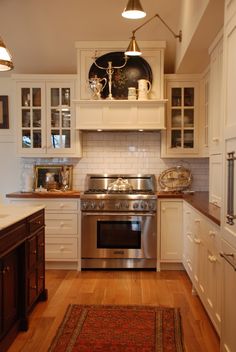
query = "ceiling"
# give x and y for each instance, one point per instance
(41, 35)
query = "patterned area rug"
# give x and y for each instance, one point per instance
(88, 328)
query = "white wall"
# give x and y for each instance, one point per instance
(10, 170)
(123, 153)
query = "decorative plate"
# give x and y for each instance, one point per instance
(136, 68)
(175, 179)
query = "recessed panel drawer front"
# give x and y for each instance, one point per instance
(61, 224)
(61, 248)
(62, 205)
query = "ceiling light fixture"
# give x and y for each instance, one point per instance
(6, 63)
(134, 10)
(133, 48)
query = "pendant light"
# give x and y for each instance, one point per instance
(6, 63)
(134, 10)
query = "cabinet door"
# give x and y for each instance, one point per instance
(228, 340)
(9, 290)
(31, 110)
(215, 179)
(182, 118)
(171, 231)
(60, 118)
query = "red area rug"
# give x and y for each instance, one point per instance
(88, 328)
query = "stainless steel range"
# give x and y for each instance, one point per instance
(119, 222)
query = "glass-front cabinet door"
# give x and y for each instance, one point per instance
(32, 123)
(182, 119)
(60, 126)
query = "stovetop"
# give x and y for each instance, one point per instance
(105, 191)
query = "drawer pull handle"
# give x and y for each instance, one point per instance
(5, 270)
(41, 277)
(212, 233)
(229, 258)
(62, 248)
(41, 245)
(34, 252)
(33, 287)
(197, 240)
(61, 205)
(62, 224)
(212, 258)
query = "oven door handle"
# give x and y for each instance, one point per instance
(118, 214)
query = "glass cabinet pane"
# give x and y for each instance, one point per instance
(55, 139)
(188, 96)
(66, 118)
(25, 97)
(55, 97)
(176, 118)
(176, 97)
(65, 96)
(36, 96)
(66, 142)
(188, 139)
(55, 118)
(188, 118)
(26, 139)
(176, 138)
(25, 118)
(37, 139)
(36, 118)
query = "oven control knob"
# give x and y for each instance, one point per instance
(143, 205)
(92, 205)
(151, 206)
(100, 205)
(84, 205)
(126, 205)
(135, 205)
(118, 205)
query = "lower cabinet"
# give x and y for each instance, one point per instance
(171, 241)
(202, 261)
(22, 274)
(61, 231)
(228, 338)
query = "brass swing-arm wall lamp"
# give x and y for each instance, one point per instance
(133, 48)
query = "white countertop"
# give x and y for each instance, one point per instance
(11, 213)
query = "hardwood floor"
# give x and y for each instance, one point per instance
(166, 288)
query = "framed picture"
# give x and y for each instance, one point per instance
(4, 117)
(53, 177)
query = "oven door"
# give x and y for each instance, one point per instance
(119, 235)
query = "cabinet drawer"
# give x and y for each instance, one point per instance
(36, 221)
(61, 224)
(61, 248)
(61, 204)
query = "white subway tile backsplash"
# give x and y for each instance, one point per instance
(124, 153)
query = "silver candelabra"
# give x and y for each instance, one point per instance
(110, 70)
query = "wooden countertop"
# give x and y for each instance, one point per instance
(199, 200)
(67, 194)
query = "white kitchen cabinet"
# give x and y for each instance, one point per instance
(228, 338)
(184, 123)
(120, 115)
(215, 179)
(46, 117)
(62, 231)
(202, 261)
(171, 238)
(115, 114)
(215, 95)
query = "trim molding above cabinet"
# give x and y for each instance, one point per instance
(107, 114)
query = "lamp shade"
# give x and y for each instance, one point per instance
(133, 10)
(133, 48)
(6, 63)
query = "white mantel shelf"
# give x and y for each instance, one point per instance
(107, 114)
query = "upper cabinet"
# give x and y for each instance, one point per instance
(215, 93)
(183, 119)
(46, 118)
(120, 113)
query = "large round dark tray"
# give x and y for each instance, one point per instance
(136, 68)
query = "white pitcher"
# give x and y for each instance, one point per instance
(144, 87)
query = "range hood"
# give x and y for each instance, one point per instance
(116, 114)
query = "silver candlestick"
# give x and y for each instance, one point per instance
(110, 70)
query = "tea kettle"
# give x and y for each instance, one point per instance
(96, 86)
